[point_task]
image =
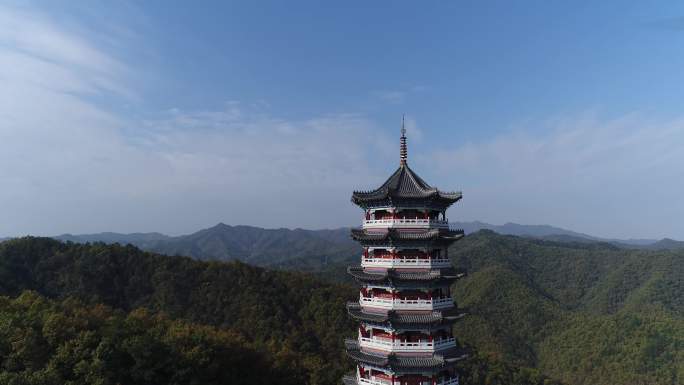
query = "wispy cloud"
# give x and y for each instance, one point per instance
(612, 177)
(394, 97)
(69, 164)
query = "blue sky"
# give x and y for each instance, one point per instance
(169, 116)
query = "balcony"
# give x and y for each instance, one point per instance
(381, 381)
(405, 262)
(405, 346)
(374, 381)
(406, 304)
(405, 223)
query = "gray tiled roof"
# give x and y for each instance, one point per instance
(406, 318)
(392, 235)
(394, 361)
(448, 274)
(404, 183)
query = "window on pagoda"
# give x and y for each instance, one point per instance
(413, 295)
(414, 379)
(411, 214)
(382, 253)
(382, 214)
(412, 253)
(377, 293)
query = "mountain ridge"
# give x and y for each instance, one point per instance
(312, 250)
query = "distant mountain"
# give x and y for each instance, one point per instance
(109, 237)
(560, 234)
(510, 228)
(260, 246)
(280, 248)
(666, 244)
(312, 250)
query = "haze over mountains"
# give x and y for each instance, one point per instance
(314, 248)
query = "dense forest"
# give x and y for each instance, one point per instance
(111, 314)
(577, 312)
(54, 343)
(584, 313)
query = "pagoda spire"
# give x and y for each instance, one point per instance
(403, 151)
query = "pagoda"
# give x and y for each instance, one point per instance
(405, 308)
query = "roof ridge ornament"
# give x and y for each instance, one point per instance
(403, 151)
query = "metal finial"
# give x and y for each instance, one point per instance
(403, 129)
(403, 151)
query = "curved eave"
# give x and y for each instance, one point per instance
(378, 195)
(392, 276)
(394, 236)
(396, 362)
(403, 320)
(404, 184)
(439, 199)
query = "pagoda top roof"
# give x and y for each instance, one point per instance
(404, 183)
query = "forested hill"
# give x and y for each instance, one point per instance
(585, 313)
(111, 314)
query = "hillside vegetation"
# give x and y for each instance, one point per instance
(111, 314)
(55, 343)
(585, 313)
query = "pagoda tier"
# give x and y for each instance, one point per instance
(393, 257)
(369, 375)
(405, 363)
(399, 320)
(406, 238)
(407, 277)
(405, 308)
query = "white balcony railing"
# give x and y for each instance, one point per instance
(374, 381)
(406, 304)
(405, 346)
(404, 223)
(405, 262)
(381, 381)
